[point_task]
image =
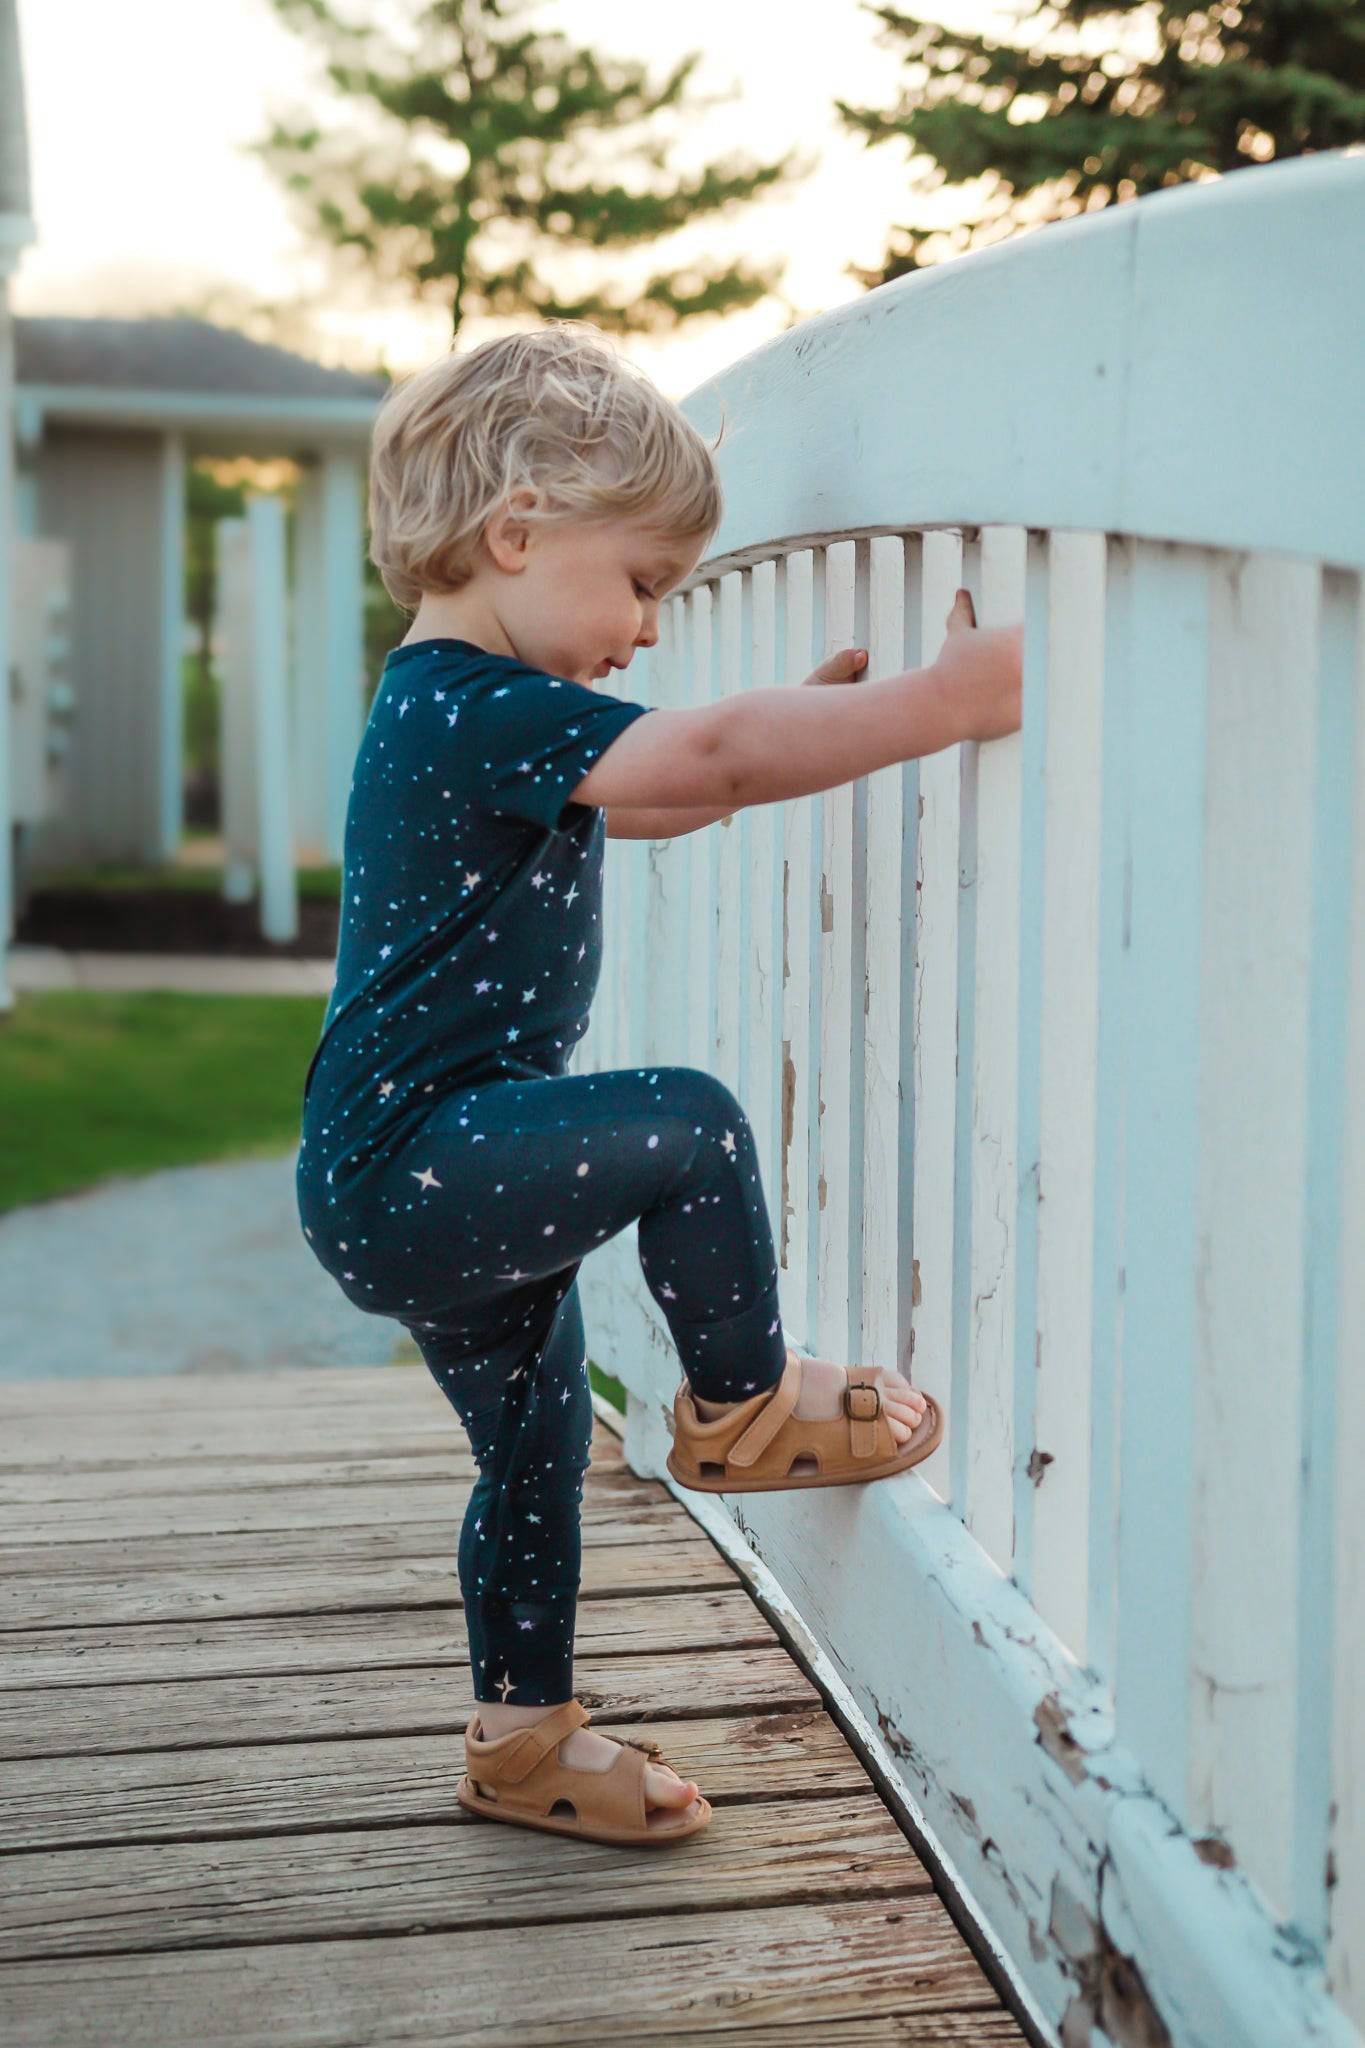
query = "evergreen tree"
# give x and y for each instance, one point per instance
(503, 152)
(1230, 85)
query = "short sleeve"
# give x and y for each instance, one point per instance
(527, 739)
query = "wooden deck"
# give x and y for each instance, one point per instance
(233, 1694)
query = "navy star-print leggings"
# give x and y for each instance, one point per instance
(530, 1177)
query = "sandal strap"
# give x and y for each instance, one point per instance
(754, 1441)
(862, 1404)
(526, 1748)
(863, 1407)
(649, 1746)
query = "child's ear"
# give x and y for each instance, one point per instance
(507, 534)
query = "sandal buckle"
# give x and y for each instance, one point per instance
(876, 1393)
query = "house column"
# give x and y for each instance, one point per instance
(329, 620)
(307, 672)
(172, 813)
(257, 835)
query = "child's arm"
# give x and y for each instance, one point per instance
(625, 822)
(760, 746)
(628, 822)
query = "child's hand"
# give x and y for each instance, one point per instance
(842, 667)
(983, 672)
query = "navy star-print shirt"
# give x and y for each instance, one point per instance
(470, 940)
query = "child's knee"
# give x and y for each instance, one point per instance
(705, 1098)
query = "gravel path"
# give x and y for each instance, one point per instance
(198, 1269)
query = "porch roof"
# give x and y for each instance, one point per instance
(178, 374)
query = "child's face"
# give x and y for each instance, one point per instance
(582, 597)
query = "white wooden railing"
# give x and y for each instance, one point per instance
(1054, 1048)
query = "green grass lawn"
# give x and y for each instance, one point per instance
(94, 1084)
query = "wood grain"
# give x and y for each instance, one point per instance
(233, 1697)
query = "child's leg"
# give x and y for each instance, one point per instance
(485, 1217)
(525, 1404)
(512, 1183)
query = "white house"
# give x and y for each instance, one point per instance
(104, 416)
(107, 414)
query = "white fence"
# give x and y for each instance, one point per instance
(1053, 1049)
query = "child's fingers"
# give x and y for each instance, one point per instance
(841, 667)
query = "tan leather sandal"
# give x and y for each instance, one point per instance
(753, 1447)
(520, 1778)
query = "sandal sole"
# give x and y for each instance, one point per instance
(630, 1839)
(887, 1470)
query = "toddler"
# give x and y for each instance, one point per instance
(532, 503)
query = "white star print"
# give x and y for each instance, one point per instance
(451, 716)
(505, 1684)
(427, 1178)
(569, 895)
(480, 986)
(527, 995)
(386, 1088)
(533, 1518)
(384, 952)
(727, 1143)
(403, 706)
(538, 880)
(471, 881)
(513, 1035)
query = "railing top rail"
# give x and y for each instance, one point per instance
(1186, 367)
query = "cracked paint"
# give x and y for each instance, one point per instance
(1056, 1738)
(1110, 1993)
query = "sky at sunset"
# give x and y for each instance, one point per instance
(143, 196)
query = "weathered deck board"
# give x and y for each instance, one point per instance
(204, 1794)
(423, 1698)
(387, 1880)
(156, 1581)
(237, 1682)
(321, 1508)
(134, 1651)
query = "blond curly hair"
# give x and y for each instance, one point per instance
(558, 413)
